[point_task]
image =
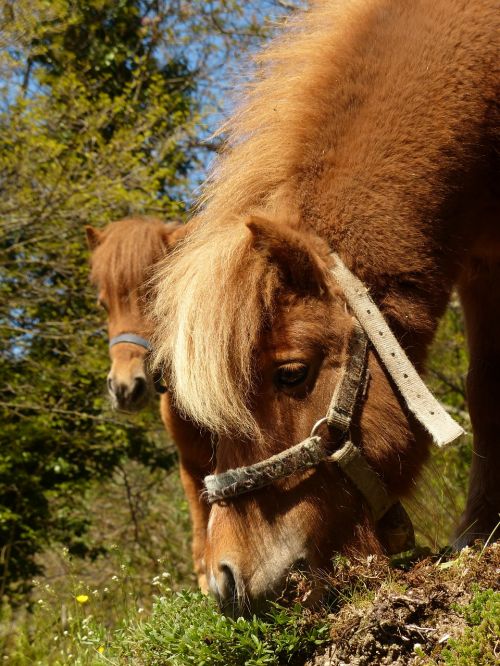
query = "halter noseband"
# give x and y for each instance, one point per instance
(134, 339)
(369, 325)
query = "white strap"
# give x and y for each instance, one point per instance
(417, 396)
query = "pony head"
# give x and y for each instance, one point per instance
(123, 256)
(254, 331)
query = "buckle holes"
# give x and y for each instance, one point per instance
(432, 413)
(405, 376)
(368, 312)
(393, 354)
(381, 332)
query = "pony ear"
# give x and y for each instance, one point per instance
(293, 252)
(173, 233)
(94, 237)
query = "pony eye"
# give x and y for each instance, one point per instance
(290, 375)
(103, 304)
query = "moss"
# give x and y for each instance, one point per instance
(479, 645)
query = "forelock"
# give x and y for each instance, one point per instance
(213, 297)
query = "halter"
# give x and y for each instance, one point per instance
(337, 447)
(133, 339)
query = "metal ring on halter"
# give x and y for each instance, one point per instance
(331, 441)
(318, 425)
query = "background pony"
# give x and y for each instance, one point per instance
(123, 256)
(370, 131)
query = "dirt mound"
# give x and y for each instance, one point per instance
(407, 618)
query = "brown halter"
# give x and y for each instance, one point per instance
(337, 446)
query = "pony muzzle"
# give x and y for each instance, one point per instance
(129, 388)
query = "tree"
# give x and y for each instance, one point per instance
(104, 105)
(90, 131)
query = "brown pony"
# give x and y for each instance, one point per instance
(369, 131)
(123, 256)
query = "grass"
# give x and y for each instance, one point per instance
(184, 628)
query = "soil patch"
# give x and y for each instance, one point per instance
(404, 618)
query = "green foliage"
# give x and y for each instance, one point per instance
(441, 491)
(187, 628)
(74, 149)
(140, 518)
(479, 644)
(184, 628)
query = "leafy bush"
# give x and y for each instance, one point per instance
(184, 629)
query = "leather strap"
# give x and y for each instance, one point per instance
(351, 382)
(420, 401)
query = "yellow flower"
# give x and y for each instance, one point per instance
(82, 598)
(100, 649)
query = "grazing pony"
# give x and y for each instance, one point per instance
(369, 132)
(123, 256)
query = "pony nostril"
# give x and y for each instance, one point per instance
(228, 580)
(227, 590)
(120, 391)
(140, 387)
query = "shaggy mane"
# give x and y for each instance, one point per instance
(220, 294)
(346, 89)
(127, 252)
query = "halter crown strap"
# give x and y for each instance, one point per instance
(132, 339)
(420, 401)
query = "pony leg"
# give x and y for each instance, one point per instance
(195, 452)
(199, 510)
(480, 295)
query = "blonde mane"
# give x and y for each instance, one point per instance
(207, 342)
(214, 293)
